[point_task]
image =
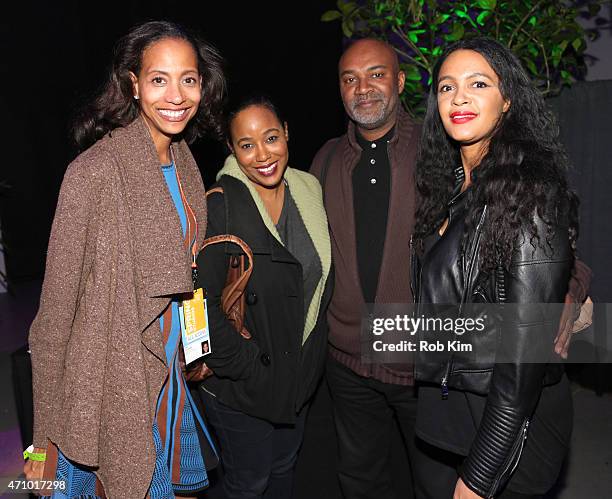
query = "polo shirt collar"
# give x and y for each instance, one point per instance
(367, 144)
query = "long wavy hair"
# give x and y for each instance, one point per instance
(522, 173)
(114, 106)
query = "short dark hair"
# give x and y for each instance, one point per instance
(115, 106)
(234, 107)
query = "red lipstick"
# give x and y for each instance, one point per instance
(460, 117)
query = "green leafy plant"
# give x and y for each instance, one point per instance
(544, 34)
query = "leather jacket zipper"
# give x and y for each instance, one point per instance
(444, 382)
(449, 364)
(479, 292)
(472, 258)
(413, 277)
(513, 459)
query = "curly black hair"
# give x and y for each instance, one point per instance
(115, 106)
(522, 173)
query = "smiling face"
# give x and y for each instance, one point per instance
(470, 102)
(370, 84)
(259, 142)
(168, 88)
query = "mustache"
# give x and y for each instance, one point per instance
(377, 96)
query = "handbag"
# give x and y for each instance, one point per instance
(233, 301)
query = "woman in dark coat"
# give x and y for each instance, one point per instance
(258, 397)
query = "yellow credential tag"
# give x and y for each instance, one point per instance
(194, 327)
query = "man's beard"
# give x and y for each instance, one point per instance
(373, 117)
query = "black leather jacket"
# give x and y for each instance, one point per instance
(537, 274)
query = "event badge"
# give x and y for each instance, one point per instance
(194, 327)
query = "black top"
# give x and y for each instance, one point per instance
(296, 239)
(371, 190)
(452, 425)
(448, 424)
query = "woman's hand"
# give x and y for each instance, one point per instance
(574, 318)
(34, 470)
(462, 491)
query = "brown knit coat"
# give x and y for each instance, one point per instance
(115, 256)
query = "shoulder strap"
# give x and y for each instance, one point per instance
(237, 281)
(229, 238)
(238, 275)
(219, 190)
(213, 190)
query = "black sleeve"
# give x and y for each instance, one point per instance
(538, 275)
(232, 355)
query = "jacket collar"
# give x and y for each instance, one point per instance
(308, 202)
(157, 235)
(232, 169)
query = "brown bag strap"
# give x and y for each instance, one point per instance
(239, 285)
(238, 275)
(232, 296)
(236, 285)
(213, 190)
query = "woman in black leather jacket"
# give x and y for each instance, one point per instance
(501, 228)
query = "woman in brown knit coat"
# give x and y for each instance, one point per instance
(112, 411)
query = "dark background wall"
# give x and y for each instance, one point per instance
(55, 55)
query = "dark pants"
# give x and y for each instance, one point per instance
(258, 457)
(440, 474)
(542, 457)
(363, 415)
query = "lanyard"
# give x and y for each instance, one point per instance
(192, 223)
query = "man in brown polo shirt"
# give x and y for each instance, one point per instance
(369, 197)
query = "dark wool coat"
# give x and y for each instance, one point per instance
(272, 375)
